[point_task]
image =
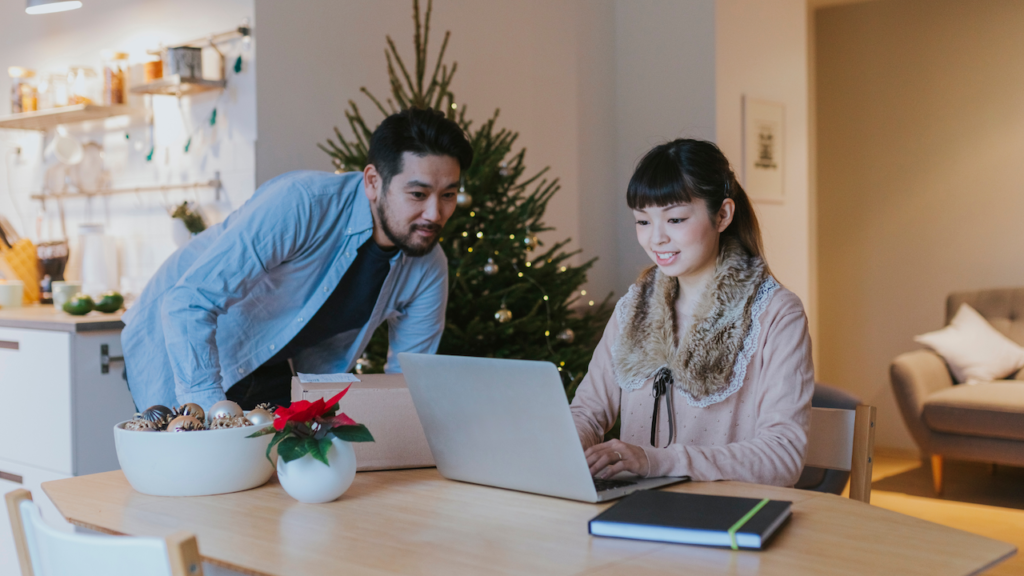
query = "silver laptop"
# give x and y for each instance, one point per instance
(506, 423)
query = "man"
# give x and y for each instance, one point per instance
(302, 274)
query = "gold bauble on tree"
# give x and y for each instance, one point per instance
(463, 199)
(503, 314)
(530, 241)
(363, 365)
(566, 336)
(490, 268)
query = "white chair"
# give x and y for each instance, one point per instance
(844, 440)
(45, 551)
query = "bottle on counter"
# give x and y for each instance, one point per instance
(24, 97)
(115, 77)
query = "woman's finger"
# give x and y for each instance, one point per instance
(600, 463)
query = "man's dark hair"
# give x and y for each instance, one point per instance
(422, 132)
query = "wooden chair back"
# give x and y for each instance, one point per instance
(844, 440)
(45, 551)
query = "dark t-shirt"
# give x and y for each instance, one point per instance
(347, 308)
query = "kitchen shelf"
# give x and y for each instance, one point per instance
(178, 86)
(215, 184)
(44, 120)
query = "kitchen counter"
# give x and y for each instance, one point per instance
(46, 317)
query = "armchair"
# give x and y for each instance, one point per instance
(981, 422)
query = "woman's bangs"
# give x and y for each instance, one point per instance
(657, 181)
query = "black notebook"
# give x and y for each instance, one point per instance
(693, 519)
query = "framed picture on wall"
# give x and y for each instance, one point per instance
(763, 159)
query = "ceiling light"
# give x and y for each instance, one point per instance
(50, 6)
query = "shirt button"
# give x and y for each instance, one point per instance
(241, 370)
(299, 320)
(272, 346)
(325, 288)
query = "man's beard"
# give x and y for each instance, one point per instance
(407, 242)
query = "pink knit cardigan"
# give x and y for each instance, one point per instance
(757, 434)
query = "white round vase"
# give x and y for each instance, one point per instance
(309, 480)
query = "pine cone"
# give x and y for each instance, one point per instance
(140, 424)
(229, 422)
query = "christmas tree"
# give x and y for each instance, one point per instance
(509, 295)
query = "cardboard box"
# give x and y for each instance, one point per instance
(381, 402)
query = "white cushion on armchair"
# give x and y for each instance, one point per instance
(973, 349)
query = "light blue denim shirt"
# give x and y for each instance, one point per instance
(226, 302)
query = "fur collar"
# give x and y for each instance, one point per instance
(702, 362)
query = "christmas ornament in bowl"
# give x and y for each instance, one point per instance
(182, 452)
(316, 462)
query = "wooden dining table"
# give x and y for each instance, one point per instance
(417, 522)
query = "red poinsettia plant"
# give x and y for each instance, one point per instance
(308, 427)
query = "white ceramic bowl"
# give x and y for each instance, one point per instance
(197, 463)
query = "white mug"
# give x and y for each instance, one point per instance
(11, 293)
(64, 149)
(64, 291)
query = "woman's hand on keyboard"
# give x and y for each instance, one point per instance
(610, 458)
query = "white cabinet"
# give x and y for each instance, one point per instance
(57, 410)
(35, 391)
(60, 408)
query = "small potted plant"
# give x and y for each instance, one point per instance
(186, 223)
(316, 462)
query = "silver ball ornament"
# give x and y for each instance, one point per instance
(225, 409)
(490, 268)
(566, 336)
(464, 199)
(260, 417)
(503, 314)
(504, 171)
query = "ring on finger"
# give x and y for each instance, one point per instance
(620, 456)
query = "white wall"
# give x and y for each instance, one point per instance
(589, 84)
(921, 136)
(665, 89)
(140, 222)
(761, 52)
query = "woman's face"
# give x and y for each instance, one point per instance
(682, 239)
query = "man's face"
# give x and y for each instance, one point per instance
(417, 203)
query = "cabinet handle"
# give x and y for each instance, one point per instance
(8, 345)
(10, 477)
(106, 359)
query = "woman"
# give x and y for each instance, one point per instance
(707, 357)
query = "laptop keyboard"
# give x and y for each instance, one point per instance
(602, 485)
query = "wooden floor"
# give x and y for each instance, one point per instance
(1006, 524)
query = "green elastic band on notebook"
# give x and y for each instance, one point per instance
(739, 523)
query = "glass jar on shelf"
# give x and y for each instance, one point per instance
(24, 97)
(84, 86)
(152, 69)
(53, 91)
(115, 77)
